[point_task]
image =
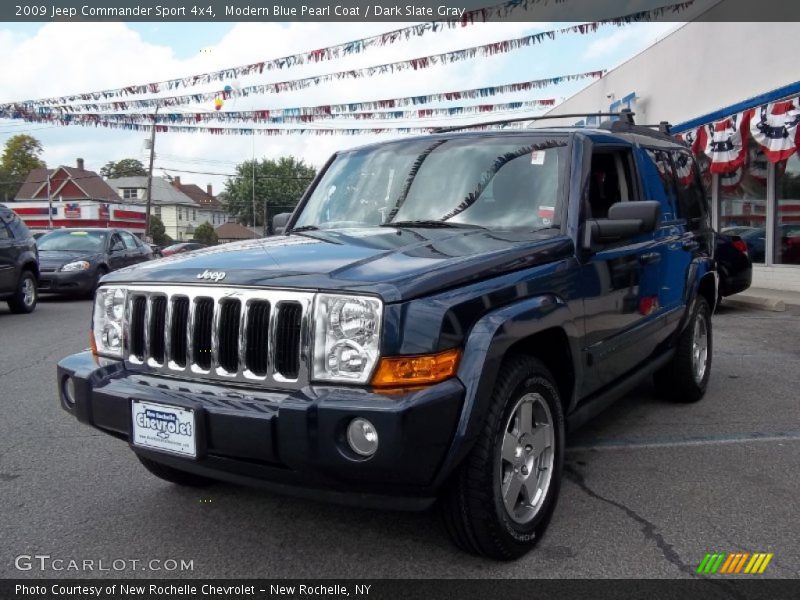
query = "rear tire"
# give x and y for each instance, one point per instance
(27, 295)
(500, 500)
(685, 378)
(175, 476)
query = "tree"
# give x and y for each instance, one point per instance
(205, 234)
(157, 231)
(279, 184)
(127, 167)
(20, 157)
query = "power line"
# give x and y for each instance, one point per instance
(276, 177)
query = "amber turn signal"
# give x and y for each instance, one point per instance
(422, 369)
(92, 343)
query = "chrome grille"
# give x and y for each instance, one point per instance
(219, 332)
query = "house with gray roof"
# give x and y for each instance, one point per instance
(180, 213)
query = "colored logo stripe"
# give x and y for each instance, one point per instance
(734, 562)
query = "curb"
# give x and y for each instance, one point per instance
(756, 302)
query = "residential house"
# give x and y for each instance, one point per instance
(73, 197)
(180, 214)
(234, 232)
(212, 209)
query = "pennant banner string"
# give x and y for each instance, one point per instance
(289, 131)
(358, 46)
(297, 115)
(47, 113)
(415, 63)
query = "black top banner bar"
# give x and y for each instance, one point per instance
(384, 589)
(382, 10)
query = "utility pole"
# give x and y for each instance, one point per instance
(150, 178)
(49, 203)
(254, 186)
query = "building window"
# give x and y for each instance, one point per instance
(157, 211)
(787, 212)
(180, 213)
(743, 202)
(194, 214)
(130, 193)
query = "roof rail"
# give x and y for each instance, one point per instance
(625, 114)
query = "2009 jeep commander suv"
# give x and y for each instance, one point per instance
(438, 313)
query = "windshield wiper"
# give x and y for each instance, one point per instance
(304, 228)
(431, 224)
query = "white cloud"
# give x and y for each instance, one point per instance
(50, 62)
(633, 38)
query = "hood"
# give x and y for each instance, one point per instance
(55, 259)
(394, 263)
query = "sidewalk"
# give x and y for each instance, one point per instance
(764, 299)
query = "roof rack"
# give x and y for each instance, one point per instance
(625, 115)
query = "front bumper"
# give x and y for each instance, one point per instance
(69, 282)
(290, 441)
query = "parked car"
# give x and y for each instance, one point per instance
(73, 261)
(787, 242)
(733, 264)
(19, 263)
(429, 331)
(182, 247)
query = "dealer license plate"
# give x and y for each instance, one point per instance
(165, 428)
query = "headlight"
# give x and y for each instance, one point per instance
(78, 265)
(346, 337)
(109, 309)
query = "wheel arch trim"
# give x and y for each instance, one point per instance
(486, 347)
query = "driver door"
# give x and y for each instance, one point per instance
(116, 252)
(620, 279)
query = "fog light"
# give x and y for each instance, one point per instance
(68, 390)
(362, 437)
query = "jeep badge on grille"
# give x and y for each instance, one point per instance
(211, 275)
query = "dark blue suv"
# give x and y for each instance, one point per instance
(439, 313)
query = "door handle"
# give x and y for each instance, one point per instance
(649, 258)
(690, 245)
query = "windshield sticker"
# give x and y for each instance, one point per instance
(537, 157)
(79, 233)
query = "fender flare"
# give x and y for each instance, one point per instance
(486, 347)
(700, 269)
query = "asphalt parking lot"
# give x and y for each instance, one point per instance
(651, 487)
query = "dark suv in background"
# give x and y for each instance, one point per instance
(19, 263)
(440, 313)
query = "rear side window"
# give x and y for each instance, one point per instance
(691, 198)
(18, 228)
(129, 240)
(4, 233)
(665, 191)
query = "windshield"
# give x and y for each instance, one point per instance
(81, 241)
(506, 182)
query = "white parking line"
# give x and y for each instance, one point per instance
(745, 438)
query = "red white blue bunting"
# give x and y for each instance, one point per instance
(774, 127)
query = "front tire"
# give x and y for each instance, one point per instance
(500, 501)
(27, 295)
(685, 378)
(175, 476)
(101, 272)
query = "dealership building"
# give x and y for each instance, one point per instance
(731, 90)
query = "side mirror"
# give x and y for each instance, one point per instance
(279, 222)
(625, 220)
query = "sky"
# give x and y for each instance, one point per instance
(54, 59)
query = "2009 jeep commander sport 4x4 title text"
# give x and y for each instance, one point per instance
(439, 312)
